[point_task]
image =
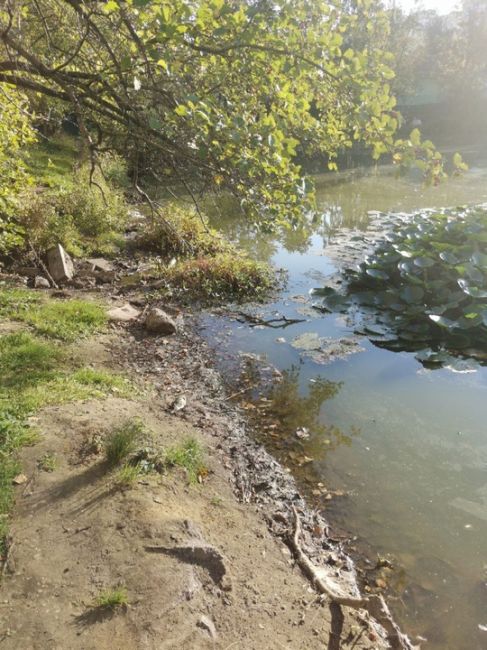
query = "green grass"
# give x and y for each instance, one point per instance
(112, 598)
(127, 475)
(63, 320)
(123, 441)
(26, 361)
(66, 321)
(51, 161)
(190, 456)
(47, 463)
(36, 372)
(15, 301)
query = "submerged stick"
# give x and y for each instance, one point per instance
(311, 572)
(375, 605)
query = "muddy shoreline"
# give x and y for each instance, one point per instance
(186, 365)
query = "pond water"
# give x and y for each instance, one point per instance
(402, 448)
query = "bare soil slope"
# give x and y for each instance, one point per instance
(201, 570)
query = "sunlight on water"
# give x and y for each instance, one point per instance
(408, 445)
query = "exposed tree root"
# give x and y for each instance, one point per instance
(374, 605)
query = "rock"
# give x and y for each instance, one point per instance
(124, 314)
(100, 264)
(28, 271)
(158, 322)
(208, 625)
(60, 264)
(83, 283)
(179, 403)
(41, 283)
(105, 277)
(20, 479)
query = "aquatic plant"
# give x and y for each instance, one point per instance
(424, 289)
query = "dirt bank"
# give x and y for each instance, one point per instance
(203, 566)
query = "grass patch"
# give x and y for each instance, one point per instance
(26, 361)
(190, 456)
(35, 372)
(209, 267)
(63, 320)
(127, 475)
(52, 160)
(224, 276)
(15, 301)
(66, 321)
(112, 598)
(123, 441)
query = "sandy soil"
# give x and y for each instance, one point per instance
(75, 533)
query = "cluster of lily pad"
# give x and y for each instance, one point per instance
(424, 289)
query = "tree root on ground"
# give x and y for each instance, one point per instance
(375, 605)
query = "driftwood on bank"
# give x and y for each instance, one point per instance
(375, 605)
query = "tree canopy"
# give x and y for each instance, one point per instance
(212, 94)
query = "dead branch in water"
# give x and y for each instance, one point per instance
(275, 323)
(375, 605)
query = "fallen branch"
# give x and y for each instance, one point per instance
(275, 323)
(43, 266)
(375, 605)
(312, 572)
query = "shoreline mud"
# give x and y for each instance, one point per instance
(73, 531)
(258, 478)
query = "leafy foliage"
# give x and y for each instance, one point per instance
(188, 235)
(225, 275)
(15, 133)
(425, 287)
(84, 218)
(207, 94)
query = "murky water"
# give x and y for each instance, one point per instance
(407, 446)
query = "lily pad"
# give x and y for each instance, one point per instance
(377, 274)
(424, 287)
(424, 262)
(412, 294)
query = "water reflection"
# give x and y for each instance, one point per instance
(415, 474)
(290, 420)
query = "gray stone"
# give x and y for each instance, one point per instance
(124, 314)
(100, 264)
(41, 283)
(158, 322)
(60, 264)
(105, 277)
(28, 271)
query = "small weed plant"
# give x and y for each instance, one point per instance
(190, 456)
(47, 463)
(127, 475)
(112, 598)
(123, 441)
